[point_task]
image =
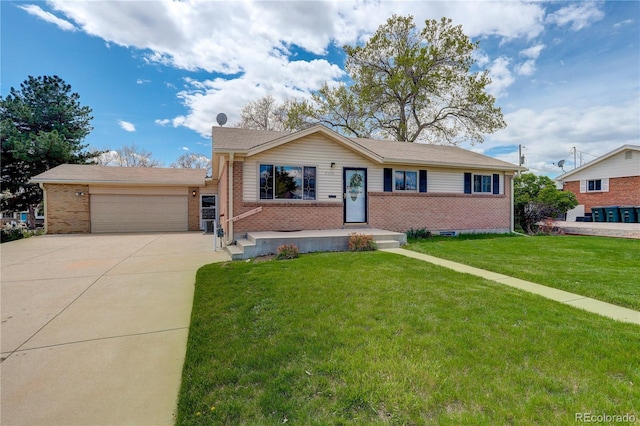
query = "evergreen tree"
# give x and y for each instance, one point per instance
(42, 125)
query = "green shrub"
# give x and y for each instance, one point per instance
(11, 235)
(7, 235)
(361, 242)
(287, 251)
(418, 233)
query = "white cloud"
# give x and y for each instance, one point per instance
(253, 48)
(223, 37)
(142, 81)
(550, 134)
(501, 77)
(532, 52)
(205, 99)
(254, 41)
(184, 148)
(34, 10)
(623, 23)
(481, 57)
(526, 68)
(125, 125)
(578, 15)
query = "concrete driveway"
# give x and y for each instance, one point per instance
(94, 327)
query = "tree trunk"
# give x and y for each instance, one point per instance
(31, 217)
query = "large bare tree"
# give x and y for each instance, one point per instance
(265, 114)
(410, 85)
(193, 161)
(128, 156)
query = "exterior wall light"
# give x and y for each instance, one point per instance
(333, 165)
(79, 194)
(193, 193)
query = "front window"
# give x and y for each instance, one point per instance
(482, 183)
(406, 181)
(287, 182)
(594, 185)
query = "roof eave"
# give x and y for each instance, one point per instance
(505, 167)
(598, 160)
(115, 182)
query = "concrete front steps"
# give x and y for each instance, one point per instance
(267, 242)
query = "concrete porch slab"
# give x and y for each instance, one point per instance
(267, 242)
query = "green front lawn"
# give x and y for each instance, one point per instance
(376, 338)
(606, 269)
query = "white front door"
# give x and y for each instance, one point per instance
(355, 195)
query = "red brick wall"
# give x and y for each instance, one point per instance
(623, 191)
(194, 209)
(66, 212)
(438, 212)
(391, 211)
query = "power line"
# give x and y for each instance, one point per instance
(546, 171)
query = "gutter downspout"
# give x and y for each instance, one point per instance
(231, 194)
(44, 201)
(512, 208)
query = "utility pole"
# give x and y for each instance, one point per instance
(520, 158)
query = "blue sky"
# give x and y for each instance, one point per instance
(156, 73)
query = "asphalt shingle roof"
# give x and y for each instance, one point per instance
(89, 173)
(227, 139)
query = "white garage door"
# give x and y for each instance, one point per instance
(139, 213)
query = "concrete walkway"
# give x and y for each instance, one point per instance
(601, 229)
(592, 305)
(94, 327)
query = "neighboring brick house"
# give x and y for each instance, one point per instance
(610, 180)
(319, 179)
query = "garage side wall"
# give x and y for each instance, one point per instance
(66, 212)
(194, 209)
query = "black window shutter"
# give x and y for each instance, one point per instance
(388, 180)
(467, 183)
(423, 181)
(496, 183)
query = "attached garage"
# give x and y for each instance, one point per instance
(99, 199)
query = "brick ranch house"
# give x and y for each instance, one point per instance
(318, 179)
(314, 179)
(610, 180)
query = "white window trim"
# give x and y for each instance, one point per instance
(584, 186)
(405, 171)
(473, 181)
(284, 200)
